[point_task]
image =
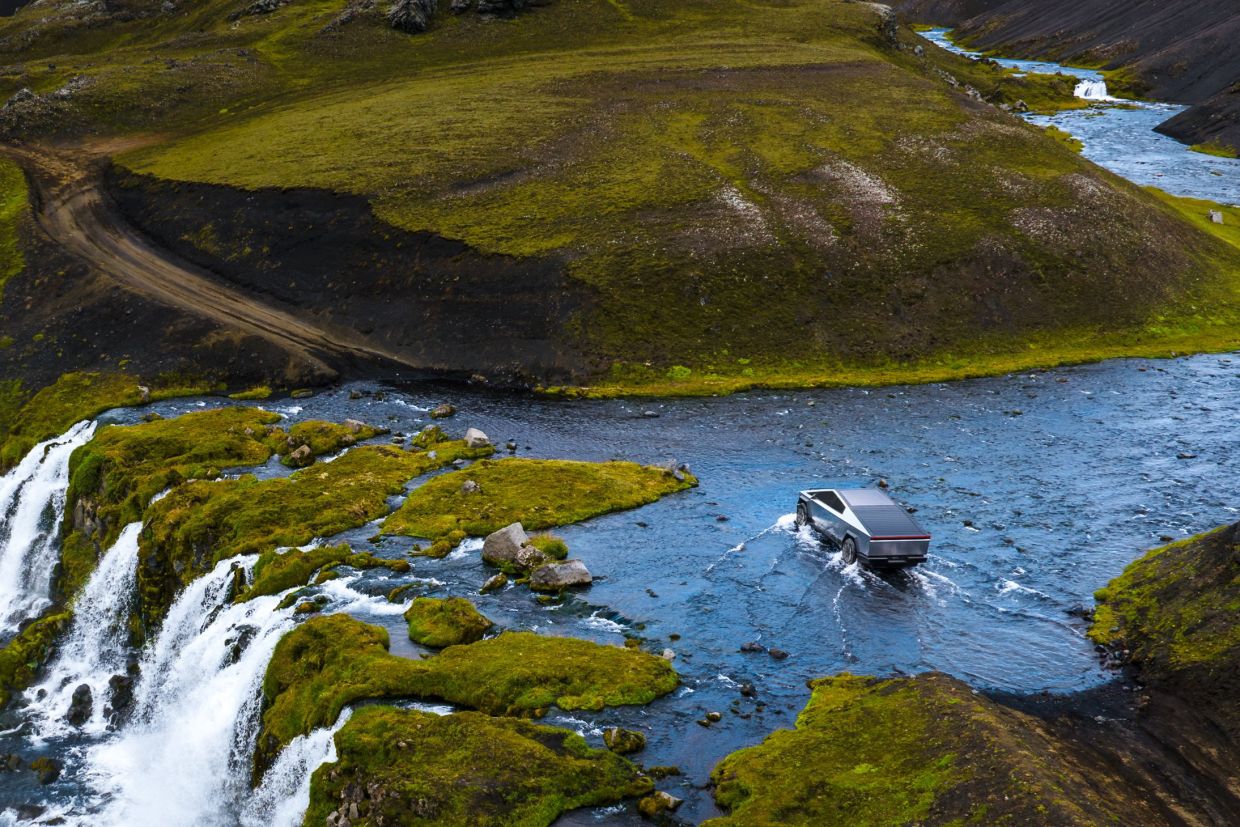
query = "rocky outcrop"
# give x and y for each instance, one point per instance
(558, 576)
(411, 16)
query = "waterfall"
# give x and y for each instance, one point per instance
(96, 646)
(281, 800)
(32, 504)
(1094, 90)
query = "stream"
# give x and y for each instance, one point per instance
(1119, 135)
(1038, 487)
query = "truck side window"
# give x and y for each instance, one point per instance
(832, 501)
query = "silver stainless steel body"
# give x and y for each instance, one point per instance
(866, 524)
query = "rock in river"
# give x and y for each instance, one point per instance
(556, 576)
(501, 547)
(623, 741)
(476, 439)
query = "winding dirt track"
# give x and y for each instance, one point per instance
(73, 210)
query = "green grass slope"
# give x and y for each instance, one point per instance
(769, 192)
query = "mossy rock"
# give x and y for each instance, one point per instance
(27, 653)
(201, 523)
(440, 622)
(624, 741)
(927, 750)
(304, 441)
(331, 661)
(1175, 610)
(404, 767)
(537, 493)
(277, 571)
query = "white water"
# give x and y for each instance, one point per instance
(281, 800)
(1094, 90)
(32, 504)
(95, 648)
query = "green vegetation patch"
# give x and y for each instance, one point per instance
(927, 750)
(467, 769)
(521, 673)
(440, 622)
(306, 440)
(13, 206)
(537, 493)
(23, 656)
(74, 397)
(201, 523)
(277, 571)
(1216, 148)
(334, 660)
(1175, 610)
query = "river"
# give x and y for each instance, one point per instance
(1119, 134)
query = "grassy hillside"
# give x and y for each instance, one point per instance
(774, 193)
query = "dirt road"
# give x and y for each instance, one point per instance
(73, 210)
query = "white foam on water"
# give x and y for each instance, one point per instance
(96, 646)
(602, 624)
(1093, 90)
(32, 506)
(284, 794)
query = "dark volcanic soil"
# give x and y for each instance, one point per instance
(435, 303)
(1186, 51)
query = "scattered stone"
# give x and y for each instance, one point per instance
(882, 483)
(411, 16)
(529, 558)
(511, 446)
(652, 592)
(1185, 455)
(1216, 216)
(48, 769)
(355, 395)
(354, 425)
(80, 706)
(443, 411)
(306, 607)
(669, 655)
(623, 741)
(556, 576)
(675, 469)
(1166, 538)
(470, 487)
(302, 393)
(476, 439)
(501, 547)
(751, 647)
(494, 583)
(650, 414)
(144, 394)
(460, 6)
(777, 654)
(748, 691)
(302, 456)
(714, 717)
(10, 763)
(657, 803)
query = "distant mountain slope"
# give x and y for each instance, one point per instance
(699, 195)
(1186, 51)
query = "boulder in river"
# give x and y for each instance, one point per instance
(494, 583)
(80, 706)
(623, 741)
(657, 803)
(443, 411)
(554, 577)
(501, 547)
(476, 439)
(48, 769)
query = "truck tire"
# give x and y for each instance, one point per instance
(802, 514)
(849, 551)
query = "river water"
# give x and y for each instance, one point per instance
(1038, 488)
(1119, 134)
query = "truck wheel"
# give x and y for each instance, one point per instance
(802, 514)
(849, 551)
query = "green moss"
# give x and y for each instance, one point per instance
(445, 622)
(1175, 610)
(23, 656)
(201, 523)
(537, 493)
(254, 393)
(331, 661)
(465, 769)
(1065, 138)
(320, 437)
(1216, 148)
(277, 571)
(550, 545)
(925, 750)
(13, 206)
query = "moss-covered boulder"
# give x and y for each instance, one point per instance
(402, 767)
(521, 673)
(23, 656)
(331, 661)
(1176, 612)
(201, 523)
(276, 571)
(445, 622)
(537, 493)
(927, 750)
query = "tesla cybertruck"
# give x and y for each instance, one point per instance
(866, 524)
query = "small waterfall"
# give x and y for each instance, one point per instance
(184, 758)
(96, 646)
(281, 800)
(32, 504)
(1094, 90)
